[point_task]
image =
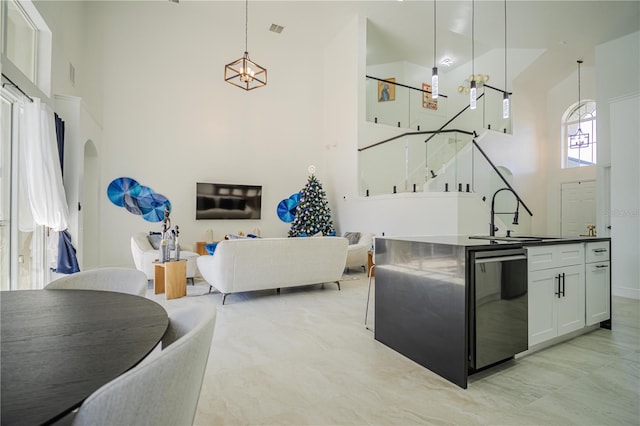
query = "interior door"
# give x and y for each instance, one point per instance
(578, 207)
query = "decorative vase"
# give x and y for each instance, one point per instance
(163, 250)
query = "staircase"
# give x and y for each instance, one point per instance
(446, 161)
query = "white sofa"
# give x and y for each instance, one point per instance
(273, 263)
(144, 255)
(357, 253)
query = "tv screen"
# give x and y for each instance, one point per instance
(228, 201)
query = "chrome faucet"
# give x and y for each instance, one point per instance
(492, 225)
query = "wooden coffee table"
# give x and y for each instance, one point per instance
(171, 278)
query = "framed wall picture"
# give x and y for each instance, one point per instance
(387, 90)
(427, 101)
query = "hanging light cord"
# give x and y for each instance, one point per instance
(505, 47)
(246, 25)
(579, 98)
(473, 43)
(434, 33)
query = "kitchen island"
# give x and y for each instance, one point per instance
(426, 298)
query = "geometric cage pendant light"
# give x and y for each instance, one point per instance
(579, 139)
(245, 73)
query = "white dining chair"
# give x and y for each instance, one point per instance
(122, 280)
(165, 389)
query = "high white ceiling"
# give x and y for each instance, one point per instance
(404, 30)
(566, 30)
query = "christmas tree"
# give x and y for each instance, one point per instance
(313, 214)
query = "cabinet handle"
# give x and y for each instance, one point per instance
(557, 293)
(600, 250)
(563, 288)
(602, 266)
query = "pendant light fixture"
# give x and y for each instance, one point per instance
(579, 139)
(505, 95)
(472, 84)
(434, 71)
(243, 72)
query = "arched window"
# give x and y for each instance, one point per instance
(579, 128)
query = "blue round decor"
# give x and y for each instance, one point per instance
(120, 187)
(131, 204)
(137, 199)
(295, 197)
(156, 213)
(287, 208)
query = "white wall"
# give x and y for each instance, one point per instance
(343, 88)
(65, 20)
(561, 97)
(170, 120)
(618, 95)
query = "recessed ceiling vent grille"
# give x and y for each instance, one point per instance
(276, 28)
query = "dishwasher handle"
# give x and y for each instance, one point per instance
(501, 259)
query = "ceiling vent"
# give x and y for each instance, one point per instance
(276, 28)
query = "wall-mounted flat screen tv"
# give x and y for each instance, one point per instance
(228, 201)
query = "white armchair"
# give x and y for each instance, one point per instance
(357, 252)
(144, 255)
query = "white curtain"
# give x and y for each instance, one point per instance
(40, 166)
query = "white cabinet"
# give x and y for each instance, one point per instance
(556, 291)
(598, 282)
(554, 256)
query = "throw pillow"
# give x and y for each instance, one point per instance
(155, 238)
(353, 237)
(211, 248)
(235, 237)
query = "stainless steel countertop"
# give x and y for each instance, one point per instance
(475, 243)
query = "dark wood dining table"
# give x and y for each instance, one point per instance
(59, 346)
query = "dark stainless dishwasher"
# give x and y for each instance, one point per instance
(498, 320)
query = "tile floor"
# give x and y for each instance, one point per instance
(304, 357)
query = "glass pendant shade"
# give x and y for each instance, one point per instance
(472, 95)
(245, 73)
(505, 105)
(434, 83)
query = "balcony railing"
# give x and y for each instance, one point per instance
(411, 108)
(446, 159)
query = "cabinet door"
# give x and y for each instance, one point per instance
(543, 286)
(598, 292)
(571, 303)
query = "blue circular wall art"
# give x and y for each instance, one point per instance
(137, 199)
(287, 208)
(120, 187)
